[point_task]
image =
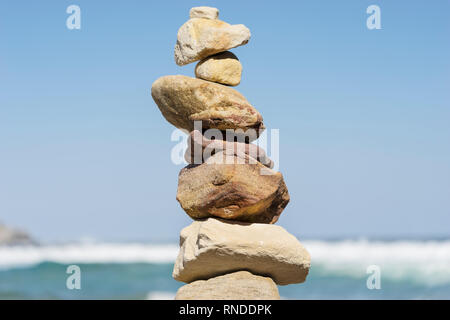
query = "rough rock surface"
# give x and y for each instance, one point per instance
(199, 38)
(223, 68)
(241, 285)
(215, 247)
(201, 148)
(204, 12)
(183, 100)
(237, 191)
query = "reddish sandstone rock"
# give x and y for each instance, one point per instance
(201, 148)
(242, 192)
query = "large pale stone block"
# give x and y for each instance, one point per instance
(214, 247)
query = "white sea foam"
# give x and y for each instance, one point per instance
(23, 256)
(424, 262)
(160, 295)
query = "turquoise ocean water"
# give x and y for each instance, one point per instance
(408, 270)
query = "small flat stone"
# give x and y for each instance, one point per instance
(204, 12)
(201, 149)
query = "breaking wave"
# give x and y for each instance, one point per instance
(423, 262)
(86, 253)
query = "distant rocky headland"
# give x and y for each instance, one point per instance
(11, 237)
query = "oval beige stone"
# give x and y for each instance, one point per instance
(215, 247)
(223, 68)
(241, 285)
(199, 38)
(183, 100)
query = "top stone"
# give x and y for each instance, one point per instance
(204, 12)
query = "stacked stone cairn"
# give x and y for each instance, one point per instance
(232, 250)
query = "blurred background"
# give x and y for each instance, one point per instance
(85, 167)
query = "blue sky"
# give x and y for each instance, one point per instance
(363, 115)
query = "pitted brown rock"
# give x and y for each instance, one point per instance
(241, 192)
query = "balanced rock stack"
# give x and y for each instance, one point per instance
(232, 250)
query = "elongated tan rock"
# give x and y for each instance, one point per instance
(225, 188)
(183, 100)
(214, 247)
(199, 38)
(204, 12)
(223, 68)
(241, 285)
(201, 148)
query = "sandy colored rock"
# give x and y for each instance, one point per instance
(199, 38)
(201, 148)
(226, 187)
(223, 68)
(241, 285)
(183, 100)
(204, 12)
(215, 247)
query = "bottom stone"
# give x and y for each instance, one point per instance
(241, 285)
